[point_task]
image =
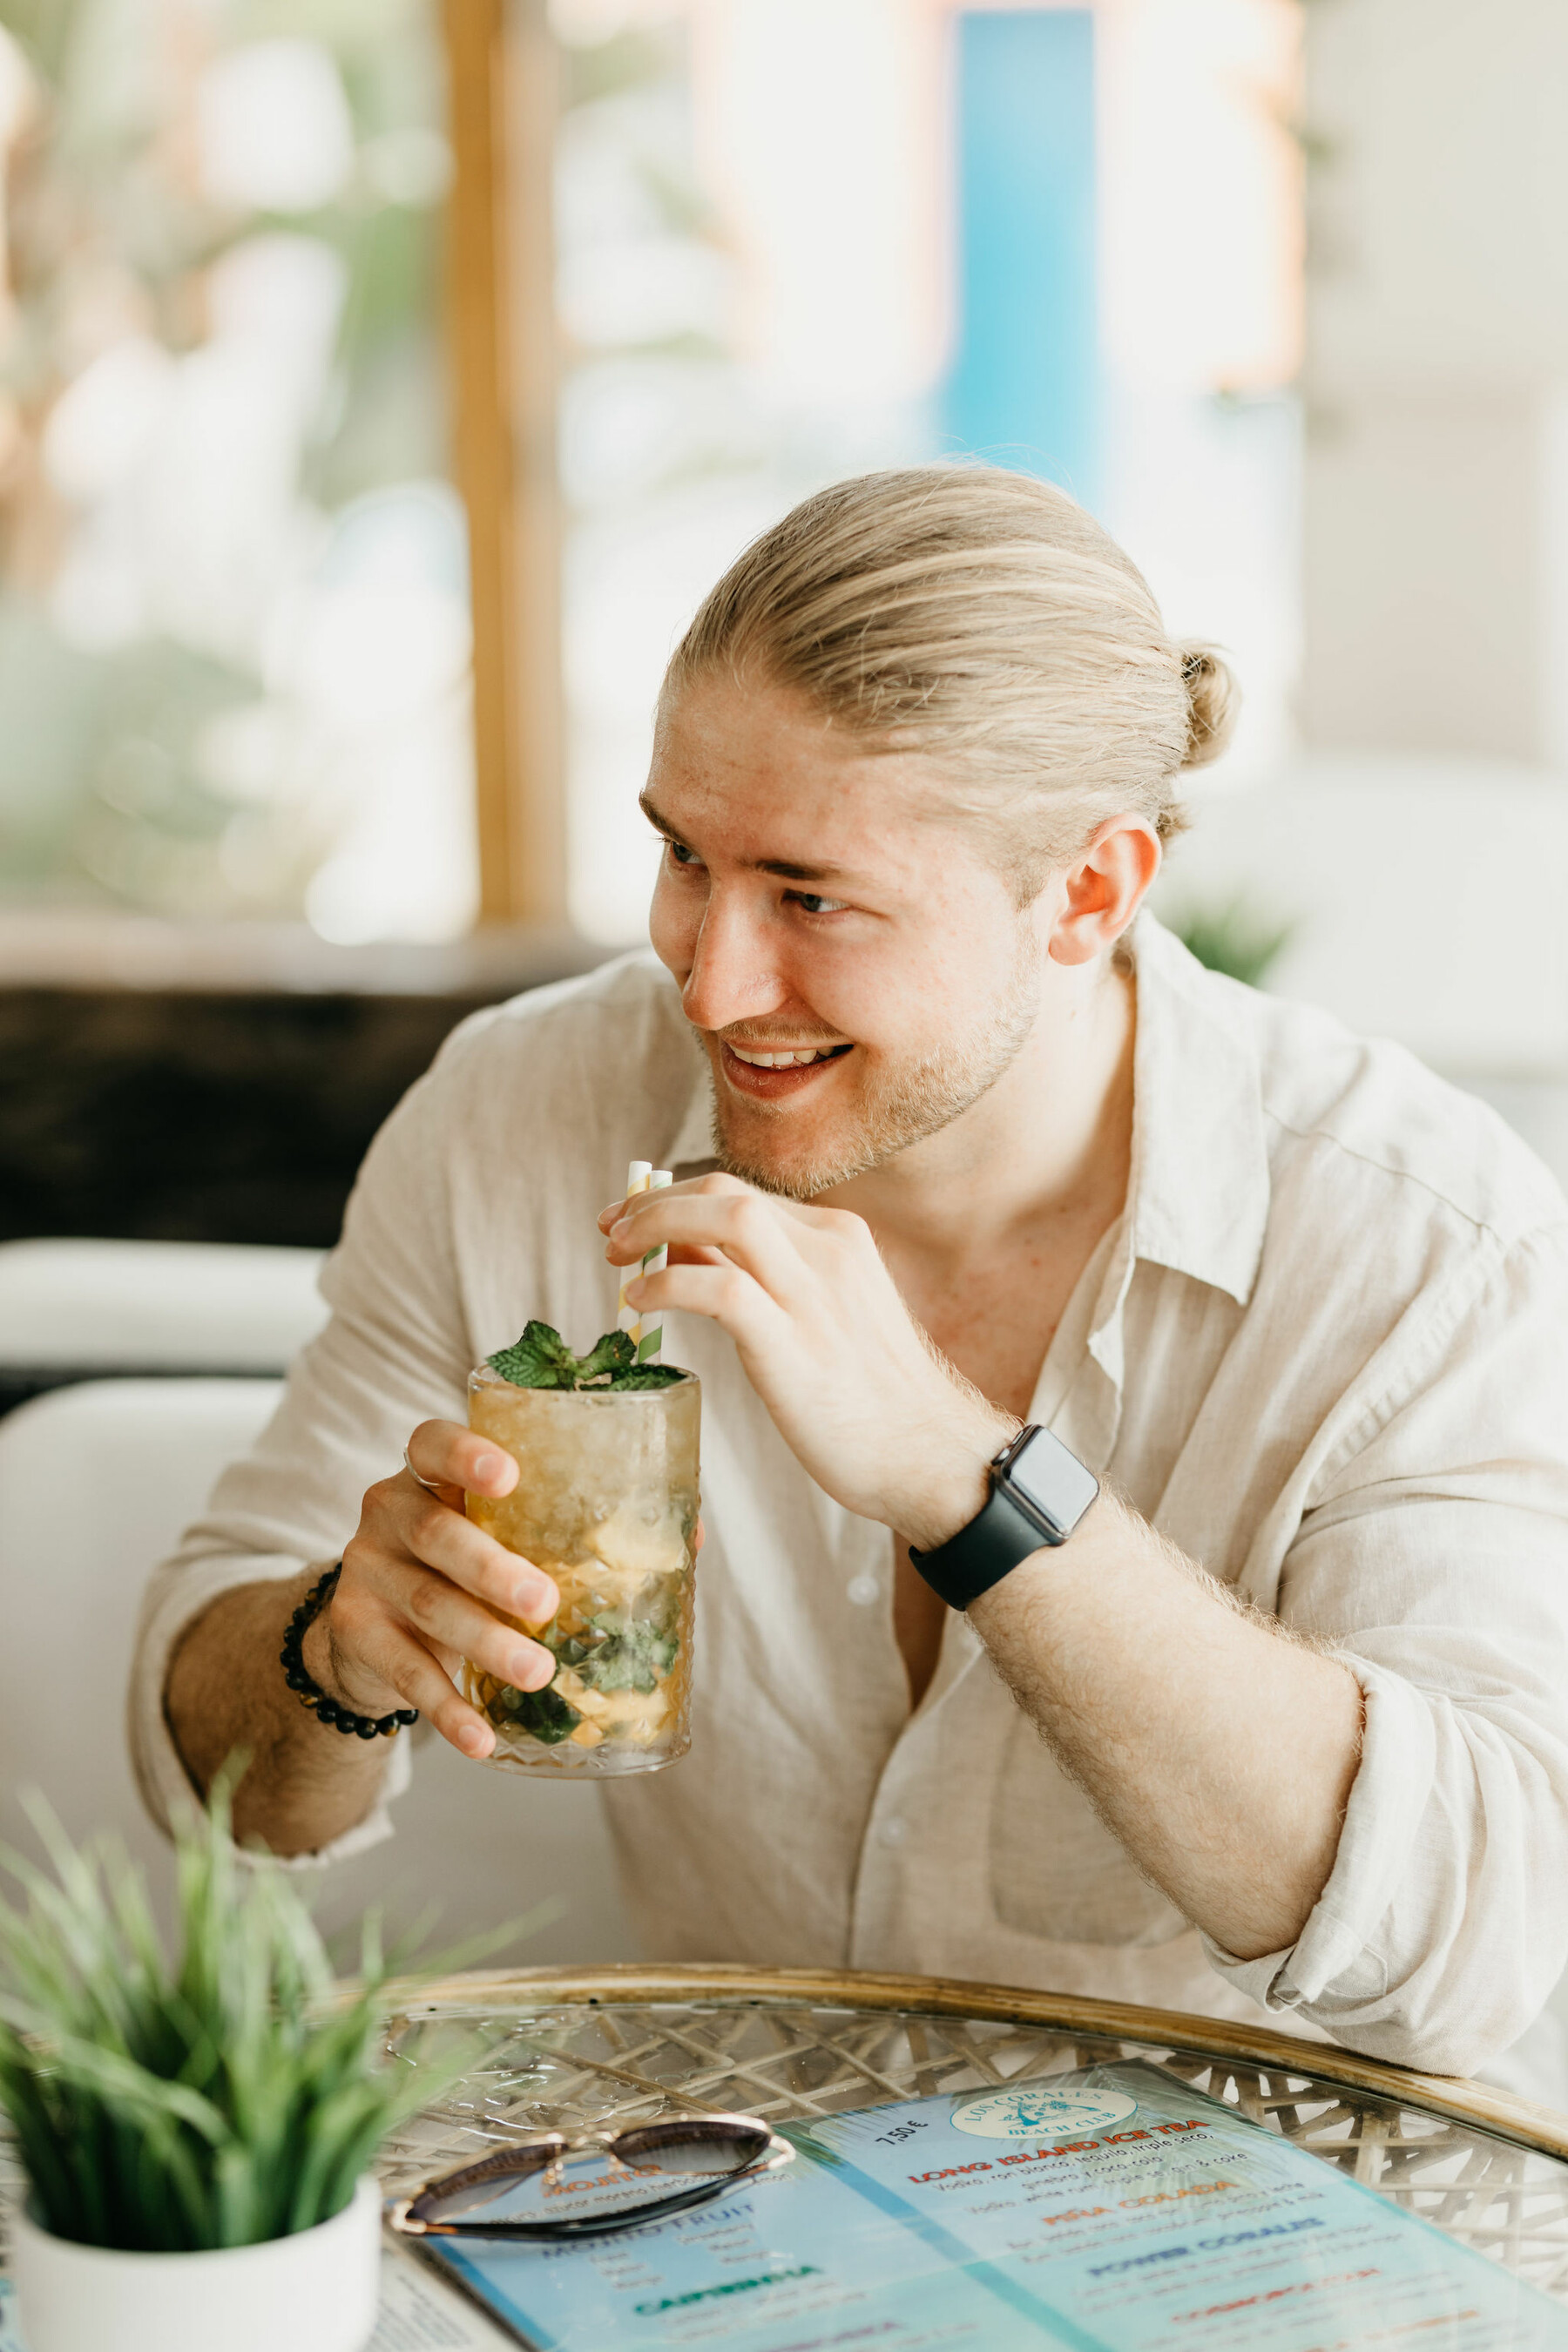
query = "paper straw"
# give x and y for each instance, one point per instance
(649, 1336)
(627, 1318)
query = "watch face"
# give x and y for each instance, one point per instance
(1052, 1481)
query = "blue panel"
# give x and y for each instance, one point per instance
(1023, 389)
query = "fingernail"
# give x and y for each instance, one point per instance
(488, 1466)
(534, 1671)
(471, 1740)
(619, 1231)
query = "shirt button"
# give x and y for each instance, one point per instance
(864, 1590)
(894, 1832)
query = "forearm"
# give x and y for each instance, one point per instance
(304, 1785)
(1219, 1750)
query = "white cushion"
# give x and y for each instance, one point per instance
(96, 1483)
(192, 1305)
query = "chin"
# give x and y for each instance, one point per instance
(762, 1152)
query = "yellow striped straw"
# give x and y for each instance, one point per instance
(649, 1336)
(627, 1318)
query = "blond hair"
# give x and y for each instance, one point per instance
(983, 618)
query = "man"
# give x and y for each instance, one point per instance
(963, 1142)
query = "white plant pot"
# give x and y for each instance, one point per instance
(315, 2292)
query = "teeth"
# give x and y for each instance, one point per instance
(787, 1061)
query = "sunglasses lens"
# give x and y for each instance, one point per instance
(684, 2152)
(658, 2162)
(498, 2190)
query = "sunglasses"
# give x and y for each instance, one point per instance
(585, 2184)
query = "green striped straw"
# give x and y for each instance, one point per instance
(649, 1336)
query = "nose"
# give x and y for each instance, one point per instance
(732, 976)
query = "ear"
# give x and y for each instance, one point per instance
(1103, 890)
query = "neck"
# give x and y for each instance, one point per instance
(1049, 1143)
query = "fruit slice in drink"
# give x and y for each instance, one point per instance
(607, 1504)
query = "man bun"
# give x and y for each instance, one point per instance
(1214, 698)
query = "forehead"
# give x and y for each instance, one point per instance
(765, 775)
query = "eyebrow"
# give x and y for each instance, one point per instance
(783, 866)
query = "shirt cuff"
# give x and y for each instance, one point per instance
(161, 1776)
(1337, 1947)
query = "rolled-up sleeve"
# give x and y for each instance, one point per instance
(394, 1352)
(1433, 1559)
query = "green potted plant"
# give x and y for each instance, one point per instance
(196, 2140)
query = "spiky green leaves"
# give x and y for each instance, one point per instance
(234, 2099)
(542, 1359)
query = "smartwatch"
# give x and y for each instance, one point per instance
(1039, 1494)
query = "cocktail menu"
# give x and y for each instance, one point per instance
(1107, 2210)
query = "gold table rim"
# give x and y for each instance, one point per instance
(1454, 2099)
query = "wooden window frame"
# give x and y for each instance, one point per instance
(503, 83)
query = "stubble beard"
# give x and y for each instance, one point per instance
(901, 1103)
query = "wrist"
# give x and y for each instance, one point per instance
(322, 1661)
(323, 1699)
(954, 1481)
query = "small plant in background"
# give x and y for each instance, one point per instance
(235, 2099)
(1235, 939)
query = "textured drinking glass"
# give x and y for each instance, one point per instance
(607, 1504)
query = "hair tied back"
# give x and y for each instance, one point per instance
(1213, 701)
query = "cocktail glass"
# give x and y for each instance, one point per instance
(607, 1504)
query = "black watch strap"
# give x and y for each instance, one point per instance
(1033, 1502)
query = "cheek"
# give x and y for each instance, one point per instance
(674, 920)
(916, 991)
(889, 995)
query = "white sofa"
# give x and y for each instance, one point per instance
(73, 1306)
(95, 1482)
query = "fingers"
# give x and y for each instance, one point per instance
(452, 1455)
(443, 1538)
(446, 1619)
(401, 1524)
(404, 1667)
(742, 1225)
(389, 1634)
(713, 1183)
(725, 1294)
(423, 1586)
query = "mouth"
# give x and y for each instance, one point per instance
(778, 1073)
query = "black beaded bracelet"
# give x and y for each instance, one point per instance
(291, 1658)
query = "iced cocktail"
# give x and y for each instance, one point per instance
(606, 1505)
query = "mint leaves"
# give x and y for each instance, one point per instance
(542, 1359)
(632, 1659)
(544, 1714)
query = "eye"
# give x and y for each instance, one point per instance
(678, 855)
(811, 903)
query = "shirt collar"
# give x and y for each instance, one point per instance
(1198, 1190)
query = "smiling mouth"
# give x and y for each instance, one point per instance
(767, 1072)
(784, 1058)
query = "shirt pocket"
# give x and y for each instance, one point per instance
(1057, 1872)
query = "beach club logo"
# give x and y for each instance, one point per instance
(1036, 2111)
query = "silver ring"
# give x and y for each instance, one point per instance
(429, 1485)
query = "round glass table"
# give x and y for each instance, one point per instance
(574, 2048)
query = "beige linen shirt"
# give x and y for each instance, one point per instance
(1325, 1349)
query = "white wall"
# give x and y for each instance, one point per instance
(1435, 497)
